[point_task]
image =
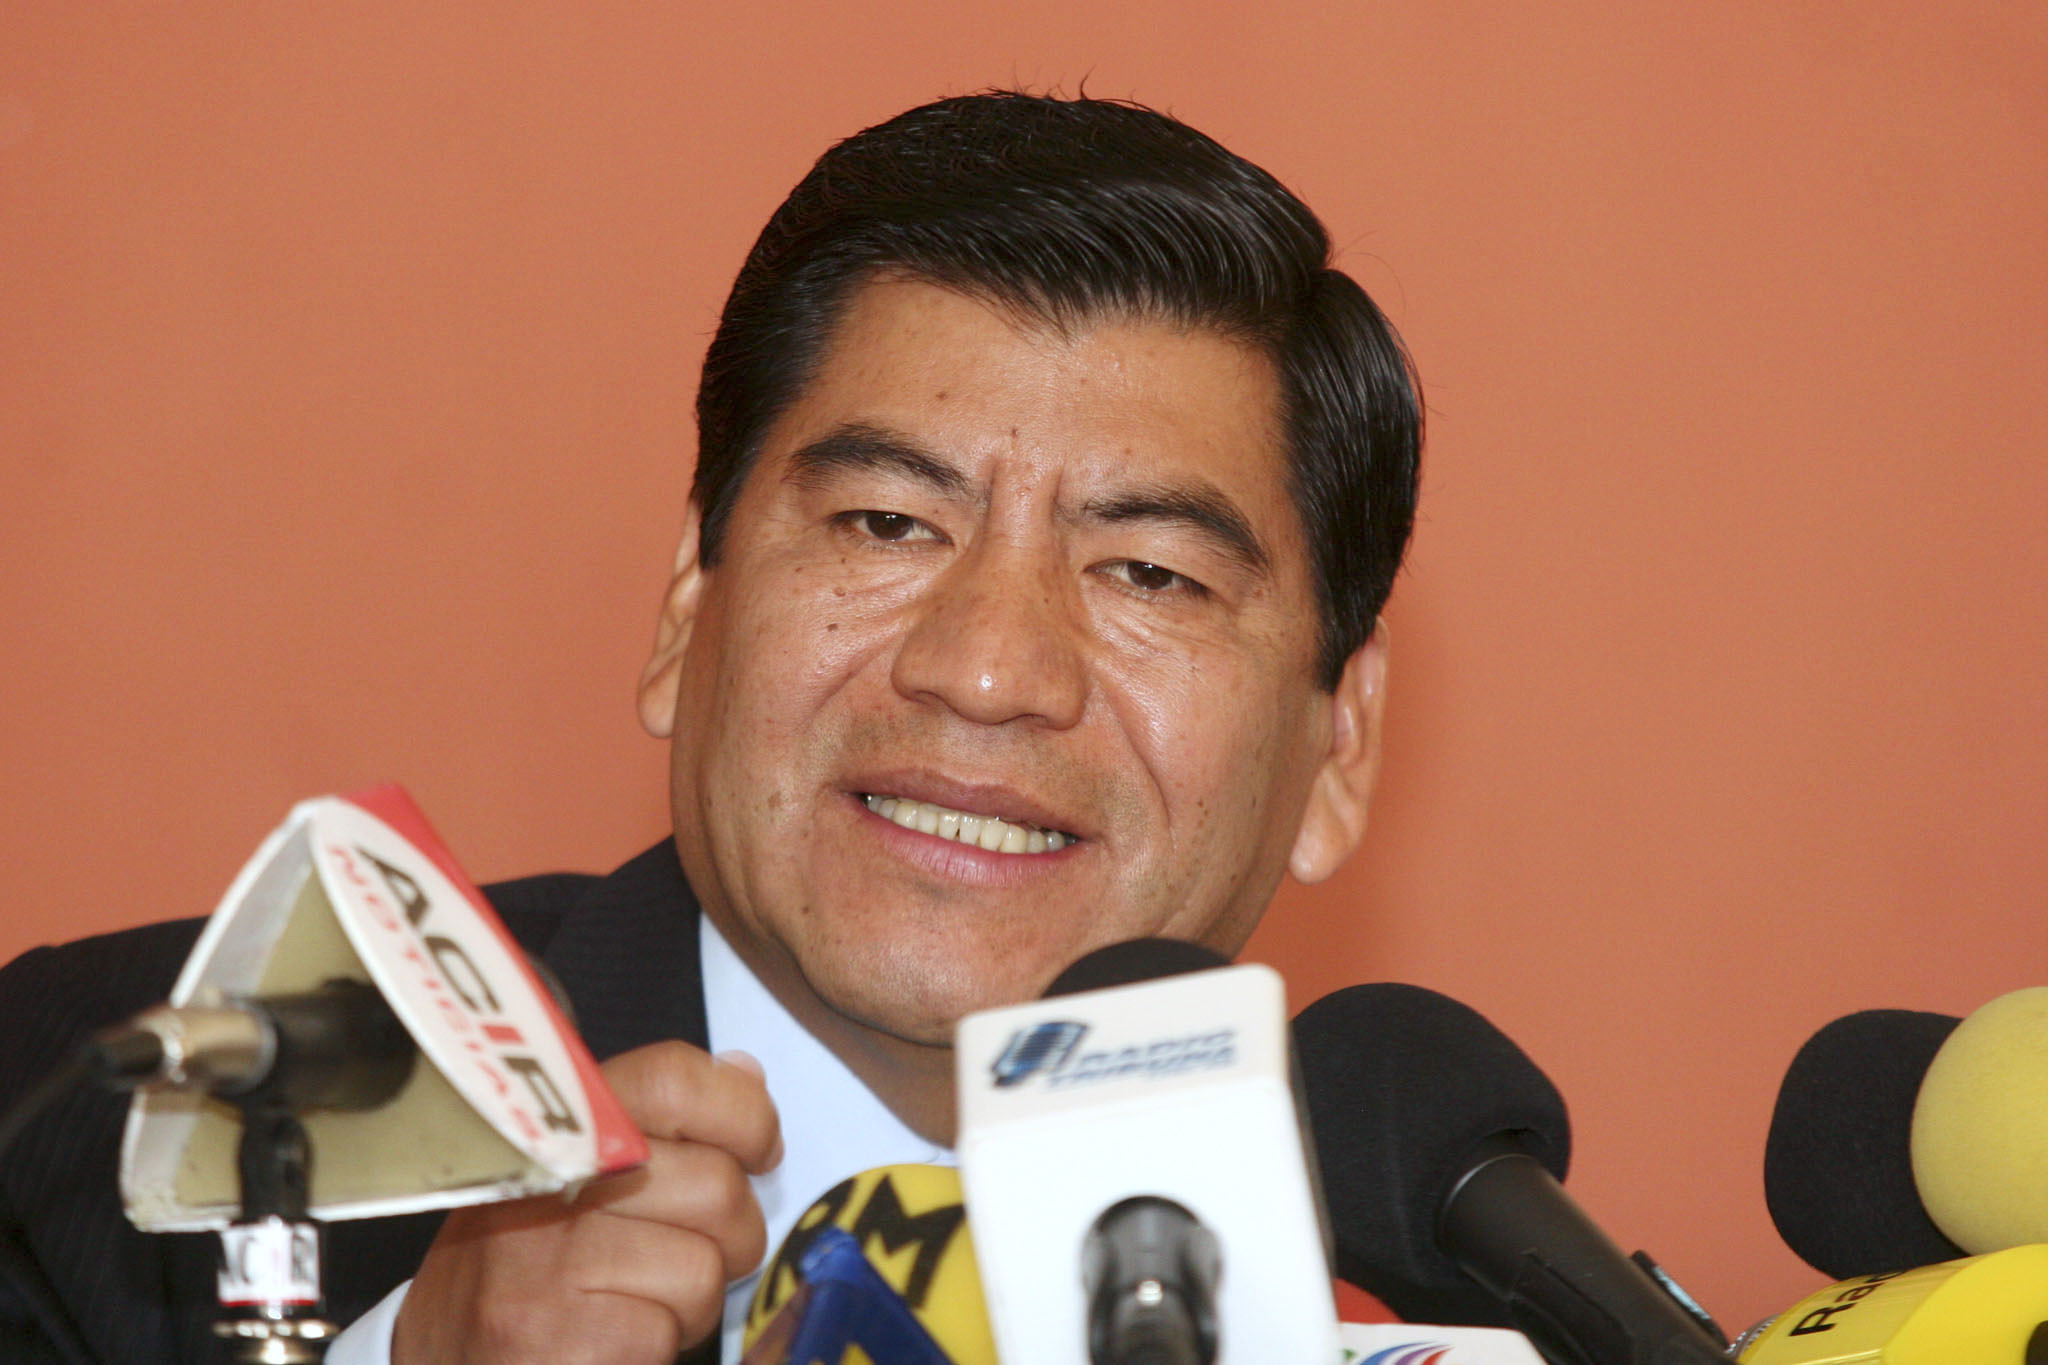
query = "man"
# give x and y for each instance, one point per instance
(1049, 487)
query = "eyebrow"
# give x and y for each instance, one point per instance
(1197, 505)
(860, 448)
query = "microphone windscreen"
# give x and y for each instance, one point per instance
(1980, 1160)
(1127, 963)
(909, 1223)
(1404, 1087)
(1838, 1169)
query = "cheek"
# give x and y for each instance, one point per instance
(1191, 723)
(1227, 753)
(771, 667)
(794, 635)
(776, 667)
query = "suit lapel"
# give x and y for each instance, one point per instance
(627, 955)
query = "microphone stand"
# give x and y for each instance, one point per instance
(270, 1294)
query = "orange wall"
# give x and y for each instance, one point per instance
(344, 390)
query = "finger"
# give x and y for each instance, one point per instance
(495, 1290)
(673, 1090)
(693, 1186)
(682, 1271)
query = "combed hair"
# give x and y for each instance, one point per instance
(1071, 210)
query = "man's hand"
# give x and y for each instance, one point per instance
(635, 1268)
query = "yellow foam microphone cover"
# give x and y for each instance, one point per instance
(1980, 1127)
(1979, 1311)
(911, 1224)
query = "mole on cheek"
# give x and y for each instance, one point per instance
(831, 625)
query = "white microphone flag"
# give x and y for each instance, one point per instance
(504, 1101)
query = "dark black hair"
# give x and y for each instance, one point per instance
(1069, 210)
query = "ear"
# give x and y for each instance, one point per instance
(1334, 822)
(661, 680)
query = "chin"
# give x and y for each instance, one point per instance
(917, 1003)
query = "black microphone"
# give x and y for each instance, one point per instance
(336, 1047)
(1132, 961)
(1442, 1146)
(1838, 1165)
(1150, 1269)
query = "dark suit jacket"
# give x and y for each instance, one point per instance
(79, 1284)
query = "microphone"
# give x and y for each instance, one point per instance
(1901, 1142)
(1133, 961)
(1838, 1164)
(1903, 1138)
(337, 1047)
(349, 942)
(1132, 1152)
(1149, 1266)
(1980, 1157)
(276, 1089)
(1442, 1145)
(881, 1267)
(1983, 1310)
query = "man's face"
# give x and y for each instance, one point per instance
(1048, 595)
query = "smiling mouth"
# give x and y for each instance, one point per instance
(981, 831)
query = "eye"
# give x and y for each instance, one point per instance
(891, 527)
(1152, 579)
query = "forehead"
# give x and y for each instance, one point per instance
(1097, 404)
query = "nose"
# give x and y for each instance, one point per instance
(998, 637)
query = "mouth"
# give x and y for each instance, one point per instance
(986, 832)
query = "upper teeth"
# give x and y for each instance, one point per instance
(984, 831)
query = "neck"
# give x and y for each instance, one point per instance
(915, 1080)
